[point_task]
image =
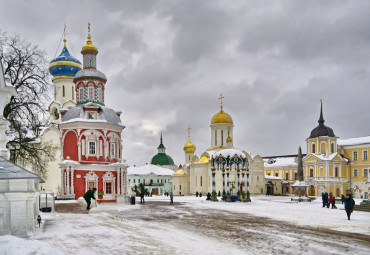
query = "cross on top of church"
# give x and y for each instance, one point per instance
(88, 26)
(221, 97)
(189, 131)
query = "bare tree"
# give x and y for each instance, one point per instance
(27, 70)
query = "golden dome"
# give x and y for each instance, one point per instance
(180, 172)
(221, 118)
(189, 147)
(204, 159)
(89, 45)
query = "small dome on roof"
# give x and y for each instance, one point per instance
(321, 129)
(180, 172)
(64, 65)
(189, 147)
(162, 159)
(221, 118)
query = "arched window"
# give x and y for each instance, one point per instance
(313, 148)
(81, 95)
(336, 172)
(91, 93)
(332, 148)
(64, 91)
(311, 172)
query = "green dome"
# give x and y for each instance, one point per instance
(162, 160)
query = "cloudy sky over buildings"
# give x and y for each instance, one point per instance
(168, 61)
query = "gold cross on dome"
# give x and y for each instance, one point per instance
(88, 26)
(189, 131)
(221, 97)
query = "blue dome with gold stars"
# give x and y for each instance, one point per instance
(64, 65)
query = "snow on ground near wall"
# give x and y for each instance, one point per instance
(100, 233)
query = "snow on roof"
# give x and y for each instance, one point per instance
(268, 177)
(69, 162)
(281, 162)
(8, 170)
(299, 184)
(354, 141)
(229, 153)
(324, 158)
(148, 169)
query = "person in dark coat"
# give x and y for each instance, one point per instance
(327, 199)
(323, 197)
(333, 204)
(171, 197)
(349, 204)
(88, 196)
(142, 201)
(343, 198)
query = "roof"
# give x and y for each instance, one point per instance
(148, 169)
(221, 118)
(162, 159)
(268, 177)
(324, 158)
(180, 172)
(281, 162)
(105, 113)
(9, 170)
(354, 141)
(90, 73)
(321, 129)
(229, 152)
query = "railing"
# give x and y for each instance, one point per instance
(154, 184)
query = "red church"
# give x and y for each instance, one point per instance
(91, 137)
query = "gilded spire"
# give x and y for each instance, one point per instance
(89, 45)
(189, 146)
(64, 34)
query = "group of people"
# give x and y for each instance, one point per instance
(349, 203)
(328, 200)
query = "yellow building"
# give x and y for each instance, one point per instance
(330, 165)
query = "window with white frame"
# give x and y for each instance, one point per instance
(364, 155)
(366, 172)
(355, 173)
(313, 148)
(99, 94)
(336, 172)
(91, 93)
(112, 149)
(92, 148)
(108, 188)
(332, 148)
(311, 172)
(355, 155)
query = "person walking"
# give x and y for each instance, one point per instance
(88, 196)
(349, 204)
(333, 204)
(323, 197)
(142, 201)
(171, 197)
(330, 198)
(343, 198)
(327, 199)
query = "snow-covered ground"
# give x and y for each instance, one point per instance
(268, 225)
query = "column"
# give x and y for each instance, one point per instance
(119, 181)
(214, 194)
(67, 181)
(248, 198)
(79, 150)
(72, 181)
(62, 183)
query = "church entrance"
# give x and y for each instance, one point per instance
(311, 191)
(269, 188)
(155, 191)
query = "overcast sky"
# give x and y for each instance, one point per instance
(168, 61)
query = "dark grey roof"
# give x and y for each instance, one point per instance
(90, 73)
(8, 170)
(321, 129)
(105, 113)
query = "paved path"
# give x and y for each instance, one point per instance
(251, 234)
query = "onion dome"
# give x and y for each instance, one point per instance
(189, 147)
(221, 118)
(65, 65)
(162, 159)
(321, 129)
